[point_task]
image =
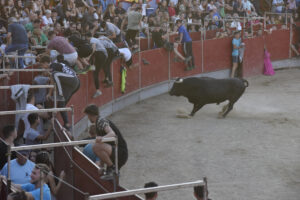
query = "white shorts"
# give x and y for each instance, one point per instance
(71, 58)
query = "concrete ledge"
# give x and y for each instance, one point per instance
(288, 63)
(137, 96)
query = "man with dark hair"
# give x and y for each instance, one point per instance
(199, 193)
(33, 136)
(112, 31)
(187, 44)
(106, 151)
(9, 134)
(17, 40)
(150, 195)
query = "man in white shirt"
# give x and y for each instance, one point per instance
(47, 20)
(279, 5)
(248, 7)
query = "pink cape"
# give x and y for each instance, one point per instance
(268, 70)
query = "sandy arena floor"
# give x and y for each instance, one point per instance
(253, 154)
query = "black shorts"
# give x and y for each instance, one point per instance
(122, 156)
(129, 62)
(235, 59)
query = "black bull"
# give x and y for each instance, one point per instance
(205, 90)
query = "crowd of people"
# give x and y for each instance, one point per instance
(71, 37)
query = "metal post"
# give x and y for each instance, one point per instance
(73, 121)
(148, 37)
(291, 37)
(42, 183)
(55, 97)
(205, 188)
(8, 168)
(140, 67)
(202, 53)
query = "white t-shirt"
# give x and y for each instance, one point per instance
(236, 25)
(125, 52)
(278, 8)
(247, 5)
(47, 21)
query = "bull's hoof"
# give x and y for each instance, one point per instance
(224, 108)
(185, 116)
(220, 115)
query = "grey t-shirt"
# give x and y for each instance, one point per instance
(111, 28)
(99, 45)
(31, 136)
(108, 44)
(134, 19)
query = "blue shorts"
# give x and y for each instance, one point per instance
(235, 59)
(88, 151)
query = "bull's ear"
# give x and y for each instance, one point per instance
(179, 80)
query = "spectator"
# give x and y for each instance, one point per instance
(99, 58)
(63, 47)
(133, 20)
(278, 6)
(172, 11)
(66, 81)
(112, 53)
(32, 189)
(109, 13)
(187, 44)
(47, 20)
(38, 38)
(32, 155)
(150, 195)
(112, 31)
(43, 157)
(32, 134)
(20, 167)
(119, 10)
(199, 193)
(17, 40)
(31, 106)
(248, 7)
(236, 44)
(106, 151)
(88, 149)
(9, 134)
(291, 6)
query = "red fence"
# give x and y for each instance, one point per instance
(210, 55)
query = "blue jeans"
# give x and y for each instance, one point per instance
(21, 48)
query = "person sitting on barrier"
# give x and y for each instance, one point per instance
(62, 47)
(199, 193)
(66, 81)
(32, 189)
(17, 40)
(151, 195)
(20, 168)
(99, 57)
(187, 44)
(33, 136)
(106, 151)
(236, 44)
(88, 149)
(43, 157)
(9, 134)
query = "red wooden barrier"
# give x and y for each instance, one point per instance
(253, 61)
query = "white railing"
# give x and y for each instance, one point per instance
(152, 189)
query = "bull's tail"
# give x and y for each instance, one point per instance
(246, 83)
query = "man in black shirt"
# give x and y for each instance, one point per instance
(9, 134)
(106, 151)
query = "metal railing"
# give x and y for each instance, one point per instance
(152, 189)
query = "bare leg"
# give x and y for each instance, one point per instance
(234, 67)
(79, 65)
(103, 151)
(196, 108)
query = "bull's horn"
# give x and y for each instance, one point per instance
(179, 80)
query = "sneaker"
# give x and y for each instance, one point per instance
(188, 69)
(187, 59)
(109, 173)
(109, 83)
(145, 62)
(98, 93)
